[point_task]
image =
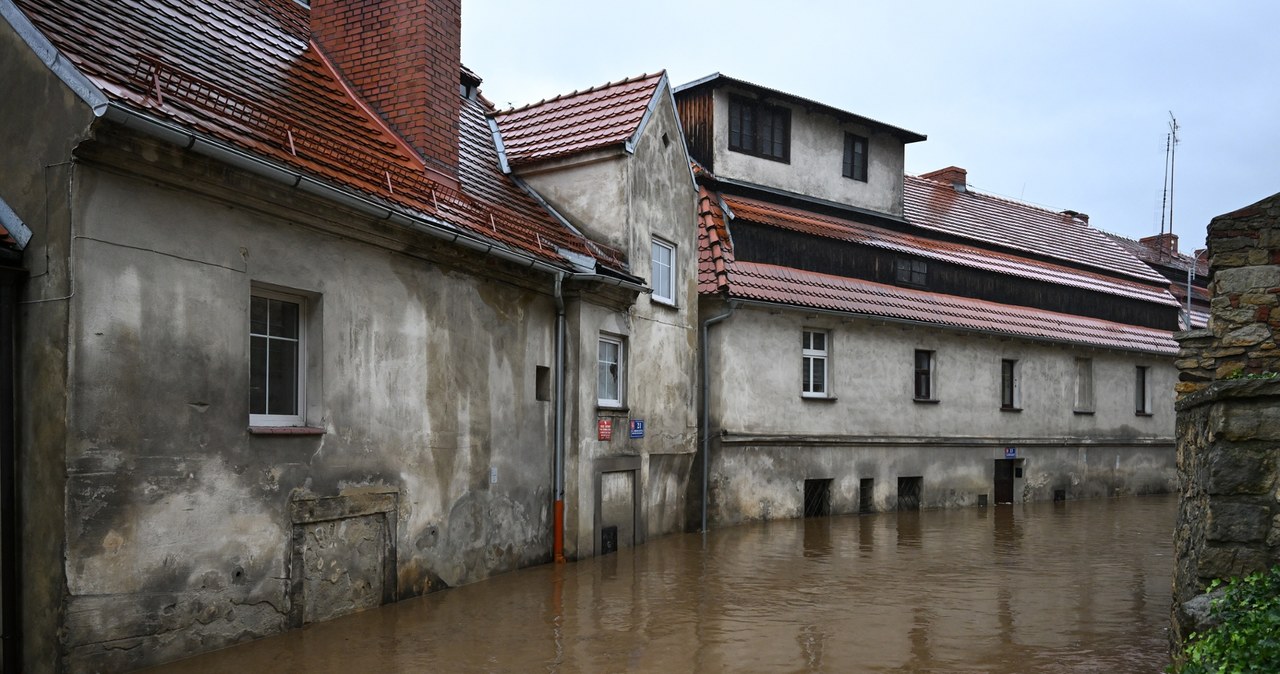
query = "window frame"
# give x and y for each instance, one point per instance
(1010, 384)
(910, 271)
(810, 356)
(299, 418)
(759, 111)
(926, 375)
(1085, 396)
(1142, 390)
(855, 163)
(669, 276)
(620, 379)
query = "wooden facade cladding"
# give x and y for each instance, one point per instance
(697, 115)
(754, 242)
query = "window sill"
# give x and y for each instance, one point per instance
(1083, 412)
(926, 401)
(1010, 409)
(1142, 414)
(286, 430)
(612, 409)
(761, 155)
(660, 302)
(818, 399)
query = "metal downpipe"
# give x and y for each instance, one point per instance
(706, 408)
(557, 535)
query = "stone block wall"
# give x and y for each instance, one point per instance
(1228, 424)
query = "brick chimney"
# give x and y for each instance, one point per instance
(1165, 244)
(951, 175)
(403, 58)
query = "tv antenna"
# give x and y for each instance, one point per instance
(1170, 158)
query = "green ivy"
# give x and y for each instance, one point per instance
(1247, 638)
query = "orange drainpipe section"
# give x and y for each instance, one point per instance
(557, 536)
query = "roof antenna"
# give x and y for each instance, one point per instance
(1173, 154)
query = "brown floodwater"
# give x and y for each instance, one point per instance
(1082, 586)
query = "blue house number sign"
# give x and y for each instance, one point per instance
(637, 428)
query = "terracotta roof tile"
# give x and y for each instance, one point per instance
(715, 250)
(584, 120)
(981, 217)
(244, 72)
(770, 283)
(966, 256)
(1151, 256)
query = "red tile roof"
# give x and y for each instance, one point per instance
(720, 273)
(770, 283)
(966, 256)
(245, 72)
(1014, 225)
(1148, 254)
(591, 119)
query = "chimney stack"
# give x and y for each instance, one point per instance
(403, 58)
(1166, 244)
(1077, 215)
(951, 175)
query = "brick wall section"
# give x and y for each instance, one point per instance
(403, 58)
(1229, 427)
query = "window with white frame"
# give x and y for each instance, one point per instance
(664, 272)
(610, 372)
(1142, 390)
(1010, 385)
(1084, 385)
(276, 359)
(813, 376)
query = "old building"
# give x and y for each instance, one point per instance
(1188, 274)
(879, 342)
(299, 337)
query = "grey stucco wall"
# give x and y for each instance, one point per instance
(768, 439)
(421, 374)
(817, 155)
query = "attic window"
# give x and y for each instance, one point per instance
(911, 272)
(468, 91)
(760, 129)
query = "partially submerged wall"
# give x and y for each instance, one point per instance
(1229, 417)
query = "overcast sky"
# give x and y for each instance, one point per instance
(1063, 104)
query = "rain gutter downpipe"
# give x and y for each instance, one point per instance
(706, 407)
(557, 532)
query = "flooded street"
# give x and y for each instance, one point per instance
(1082, 586)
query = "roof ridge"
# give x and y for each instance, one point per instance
(583, 92)
(969, 189)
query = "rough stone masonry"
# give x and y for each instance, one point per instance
(1229, 417)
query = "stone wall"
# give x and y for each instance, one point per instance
(1229, 417)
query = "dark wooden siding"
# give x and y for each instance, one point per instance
(697, 115)
(761, 243)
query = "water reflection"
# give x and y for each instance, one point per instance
(1080, 587)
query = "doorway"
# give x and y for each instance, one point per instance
(1007, 473)
(866, 495)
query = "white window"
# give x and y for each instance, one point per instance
(1084, 385)
(276, 367)
(1010, 385)
(813, 364)
(610, 373)
(1142, 390)
(664, 272)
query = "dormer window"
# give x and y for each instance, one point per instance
(911, 272)
(759, 129)
(855, 157)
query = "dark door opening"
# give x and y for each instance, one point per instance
(817, 498)
(866, 495)
(608, 540)
(1004, 480)
(909, 489)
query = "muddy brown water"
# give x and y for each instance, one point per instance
(1082, 586)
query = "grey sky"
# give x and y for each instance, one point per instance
(1062, 104)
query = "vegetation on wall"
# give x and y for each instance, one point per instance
(1246, 636)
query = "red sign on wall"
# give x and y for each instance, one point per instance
(604, 429)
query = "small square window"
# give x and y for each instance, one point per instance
(663, 262)
(855, 157)
(911, 272)
(610, 372)
(924, 375)
(813, 359)
(277, 370)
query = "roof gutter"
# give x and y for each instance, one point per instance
(941, 326)
(214, 149)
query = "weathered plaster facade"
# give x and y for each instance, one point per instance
(627, 199)
(768, 439)
(1228, 425)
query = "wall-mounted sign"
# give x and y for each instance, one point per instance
(1010, 452)
(604, 429)
(637, 428)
